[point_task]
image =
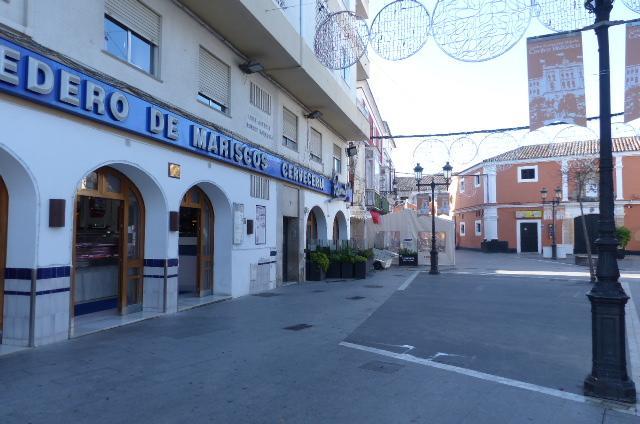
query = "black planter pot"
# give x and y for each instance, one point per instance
(314, 272)
(408, 260)
(360, 270)
(346, 269)
(370, 265)
(334, 270)
(622, 253)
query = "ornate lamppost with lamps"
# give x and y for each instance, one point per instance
(609, 377)
(555, 201)
(433, 184)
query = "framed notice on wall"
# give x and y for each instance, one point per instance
(238, 223)
(261, 224)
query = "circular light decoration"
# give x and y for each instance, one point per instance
(463, 151)
(400, 29)
(479, 30)
(563, 15)
(633, 5)
(432, 153)
(341, 39)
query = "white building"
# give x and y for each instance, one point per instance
(157, 154)
(371, 169)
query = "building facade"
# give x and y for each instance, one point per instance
(160, 154)
(371, 169)
(500, 199)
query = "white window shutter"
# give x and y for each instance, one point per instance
(137, 17)
(316, 143)
(289, 125)
(214, 78)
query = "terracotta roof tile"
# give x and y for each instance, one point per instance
(408, 184)
(573, 148)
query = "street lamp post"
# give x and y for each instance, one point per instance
(609, 377)
(554, 202)
(433, 184)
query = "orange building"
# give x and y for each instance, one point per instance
(500, 198)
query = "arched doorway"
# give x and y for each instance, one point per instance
(312, 229)
(196, 244)
(108, 258)
(339, 232)
(316, 233)
(4, 218)
(580, 241)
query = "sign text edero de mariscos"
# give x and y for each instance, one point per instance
(32, 76)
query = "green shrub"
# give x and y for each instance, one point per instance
(623, 234)
(367, 253)
(406, 252)
(321, 260)
(359, 259)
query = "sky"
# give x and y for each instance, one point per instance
(432, 93)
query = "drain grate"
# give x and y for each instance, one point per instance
(318, 291)
(373, 286)
(381, 366)
(398, 275)
(267, 294)
(298, 327)
(355, 297)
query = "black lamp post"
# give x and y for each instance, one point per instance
(433, 184)
(554, 202)
(609, 378)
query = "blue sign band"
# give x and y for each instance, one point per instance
(32, 76)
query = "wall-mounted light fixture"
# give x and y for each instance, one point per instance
(314, 114)
(251, 67)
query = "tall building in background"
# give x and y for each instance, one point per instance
(161, 154)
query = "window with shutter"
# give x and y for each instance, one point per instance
(289, 129)
(260, 98)
(214, 83)
(337, 159)
(315, 146)
(132, 33)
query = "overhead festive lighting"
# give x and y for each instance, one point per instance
(341, 40)
(400, 29)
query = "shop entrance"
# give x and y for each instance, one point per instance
(196, 245)
(109, 242)
(290, 267)
(4, 214)
(528, 237)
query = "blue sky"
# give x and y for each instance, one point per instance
(433, 93)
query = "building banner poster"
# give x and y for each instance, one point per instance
(261, 224)
(423, 205)
(632, 74)
(556, 81)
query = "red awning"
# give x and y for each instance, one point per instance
(375, 215)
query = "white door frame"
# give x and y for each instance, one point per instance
(532, 221)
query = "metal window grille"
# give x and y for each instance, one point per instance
(260, 98)
(315, 145)
(259, 187)
(289, 129)
(135, 16)
(214, 80)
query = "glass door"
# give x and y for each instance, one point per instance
(131, 291)
(4, 212)
(205, 260)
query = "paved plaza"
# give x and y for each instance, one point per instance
(493, 340)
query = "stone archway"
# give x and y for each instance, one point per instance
(316, 228)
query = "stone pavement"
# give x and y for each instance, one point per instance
(234, 362)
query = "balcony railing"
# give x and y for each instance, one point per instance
(373, 200)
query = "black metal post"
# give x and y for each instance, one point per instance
(554, 246)
(609, 378)
(434, 251)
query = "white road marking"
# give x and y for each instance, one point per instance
(409, 281)
(633, 341)
(493, 378)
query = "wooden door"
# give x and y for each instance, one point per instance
(195, 198)
(528, 237)
(4, 217)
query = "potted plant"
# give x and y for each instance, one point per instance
(407, 257)
(334, 266)
(359, 267)
(346, 265)
(623, 234)
(317, 266)
(368, 254)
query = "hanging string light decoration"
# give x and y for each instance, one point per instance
(633, 5)
(400, 29)
(341, 39)
(479, 30)
(564, 15)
